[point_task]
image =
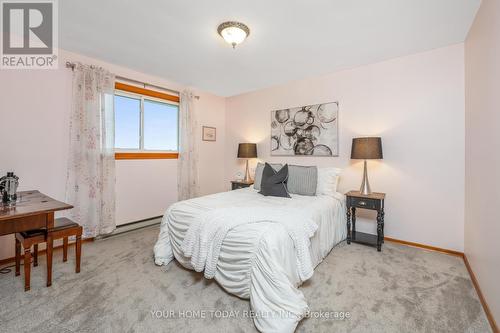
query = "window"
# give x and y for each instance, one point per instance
(159, 116)
(127, 122)
(146, 123)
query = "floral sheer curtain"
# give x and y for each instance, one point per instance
(187, 184)
(90, 185)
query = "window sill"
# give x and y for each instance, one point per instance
(146, 156)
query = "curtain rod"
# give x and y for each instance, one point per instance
(72, 66)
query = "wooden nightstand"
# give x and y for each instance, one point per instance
(236, 184)
(374, 201)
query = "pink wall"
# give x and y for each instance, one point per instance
(35, 106)
(416, 103)
(482, 147)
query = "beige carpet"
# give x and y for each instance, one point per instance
(402, 289)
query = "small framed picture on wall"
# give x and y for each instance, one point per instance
(209, 133)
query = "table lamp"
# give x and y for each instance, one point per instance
(247, 150)
(366, 149)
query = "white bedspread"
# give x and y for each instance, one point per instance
(258, 260)
(204, 238)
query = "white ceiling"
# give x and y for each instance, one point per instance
(289, 39)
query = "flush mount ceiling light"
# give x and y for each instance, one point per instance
(233, 32)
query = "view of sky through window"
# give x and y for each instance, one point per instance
(127, 122)
(160, 124)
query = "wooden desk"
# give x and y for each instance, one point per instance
(33, 210)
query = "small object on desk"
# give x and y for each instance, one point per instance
(237, 184)
(374, 201)
(8, 188)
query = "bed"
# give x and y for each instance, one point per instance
(256, 259)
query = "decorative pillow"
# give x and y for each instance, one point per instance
(302, 180)
(327, 181)
(274, 182)
(258, 174)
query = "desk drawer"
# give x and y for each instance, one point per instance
(23, 224)
(364, 203)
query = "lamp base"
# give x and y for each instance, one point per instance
(247, 178)
(365, 184)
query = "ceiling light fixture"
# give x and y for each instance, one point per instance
(233, 32)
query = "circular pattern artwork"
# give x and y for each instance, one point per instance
(309, 130)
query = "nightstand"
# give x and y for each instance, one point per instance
(237, 184)
(374, 201)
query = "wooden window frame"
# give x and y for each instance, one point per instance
(146, 92)
(141, 155)
(125, 154)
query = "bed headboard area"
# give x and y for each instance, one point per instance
(304, 179)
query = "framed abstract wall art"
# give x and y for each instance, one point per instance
(305, 131)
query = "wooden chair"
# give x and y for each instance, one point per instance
(63, 228)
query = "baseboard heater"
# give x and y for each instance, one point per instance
(131, 226)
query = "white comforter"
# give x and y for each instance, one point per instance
(257, 260)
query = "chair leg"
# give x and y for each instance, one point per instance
(78, 250)
(65, 249)
(50, 245)
(35, 255)
(18, 257)
(27, 268)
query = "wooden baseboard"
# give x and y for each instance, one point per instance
(7, 261)
(41, 252)
(462, 255)
(486, 308)
(427, 247)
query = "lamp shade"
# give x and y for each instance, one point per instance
(247, 150)
(366, 148)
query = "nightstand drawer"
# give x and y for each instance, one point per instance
(235, 185)
(364, 203)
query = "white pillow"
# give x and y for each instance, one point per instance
(328, 179)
